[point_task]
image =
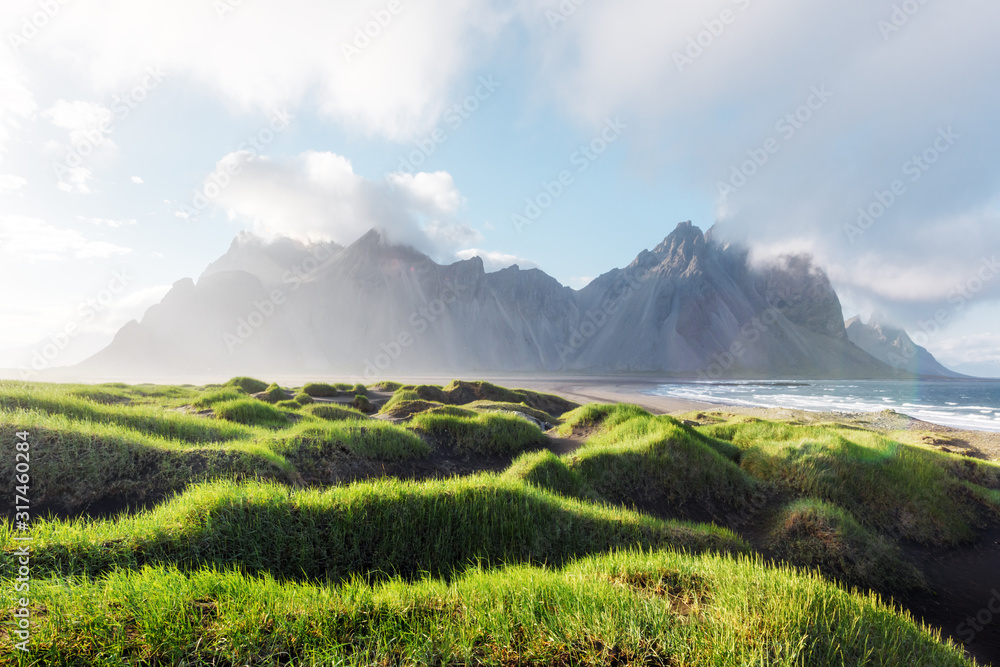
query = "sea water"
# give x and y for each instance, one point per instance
(967, 404)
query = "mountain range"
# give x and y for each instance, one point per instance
(693, 306)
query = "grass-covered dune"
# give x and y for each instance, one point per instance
(420, 524)
(622, 608)
(369, 529)
(917, 494)
(102, 447)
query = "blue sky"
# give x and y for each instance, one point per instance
(776, 121)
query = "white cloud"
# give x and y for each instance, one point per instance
(76, 179)
(137, 180)
(81, 118)
(434, 191)
(10, 183)
(264, 55)
(971, 350)
(17, 104)
(108, 222)
(89, 128)
(317, 195)
(494, 261)
(24, 238)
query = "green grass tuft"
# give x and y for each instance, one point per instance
(218, 396)
(488, 433)
(249, 385)
(252, 412)
(362, 404)
(547, 471)
(900, 490)
(320, 390)
(812, 533)
(369, 529)
(657, 460)
(333, 412)
(595, 414)
(634, 607)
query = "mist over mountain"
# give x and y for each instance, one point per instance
(692, 306)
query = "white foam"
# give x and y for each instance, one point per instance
(823, 397)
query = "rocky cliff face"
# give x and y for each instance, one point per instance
(690, 306)
(894, 347)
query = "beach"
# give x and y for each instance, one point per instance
(968, 442)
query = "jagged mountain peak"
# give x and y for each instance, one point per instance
(684, 245)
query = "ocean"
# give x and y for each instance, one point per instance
(967, 404)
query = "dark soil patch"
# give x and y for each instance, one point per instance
(102, 508)
(964, 584)
(561, 446)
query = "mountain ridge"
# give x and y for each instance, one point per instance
(691, 307)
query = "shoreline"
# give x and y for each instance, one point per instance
(972, 443)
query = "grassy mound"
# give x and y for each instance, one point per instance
(218, 396)
(459, 392)
(386, 385)
(320, 390)
(494, 406)
(249, 385)
(897, 489)
(273, 394)
(812, 533)
(77, 467)
(625, 608)
(488, 433)
(592, 415)
(404, 408)
(58, 402)
(325, 440)
(656, 460)
(252, 412)
(333, 412)
(547, 471)
(369, 529)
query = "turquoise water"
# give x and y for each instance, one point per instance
(958, 403)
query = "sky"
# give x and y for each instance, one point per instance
(138, 138)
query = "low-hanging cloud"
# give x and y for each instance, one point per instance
(318, 196)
